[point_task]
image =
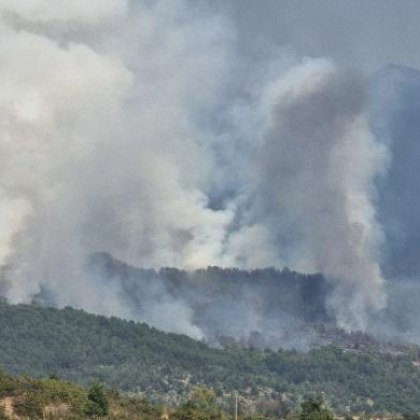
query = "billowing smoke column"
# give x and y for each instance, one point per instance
(317, 168)
(126, 128)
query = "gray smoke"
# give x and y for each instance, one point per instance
(146, 130)
(318, 165)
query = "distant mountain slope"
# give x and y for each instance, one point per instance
(130, 356)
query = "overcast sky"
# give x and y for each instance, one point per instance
(363, 33)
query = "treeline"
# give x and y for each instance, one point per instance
(284, 302)
(299, 295)
(132, 357)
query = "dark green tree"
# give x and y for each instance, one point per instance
(314, 408)
(97, 404)
(201, 406)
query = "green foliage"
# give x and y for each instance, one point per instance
(53, 398)
(29, 397)
(200, 406)
(3, 415)
(97, 404)
(314, 408)
(132, 357)
(6, 385)
(408, 416)
(29, 404)
(127, 408)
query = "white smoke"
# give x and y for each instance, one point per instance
(123, 124)
(76, 11)
(100, 151)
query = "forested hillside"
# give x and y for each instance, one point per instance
(74, 345)
(261, 307)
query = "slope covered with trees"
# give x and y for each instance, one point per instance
(128, 356)
(259, 308)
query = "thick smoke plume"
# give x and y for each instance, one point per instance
(143, 130)
(318, 165)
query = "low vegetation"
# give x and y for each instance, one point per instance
(51, 398)
(26, 398)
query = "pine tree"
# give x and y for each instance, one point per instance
(97, 404)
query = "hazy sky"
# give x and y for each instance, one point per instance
(363, 33)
